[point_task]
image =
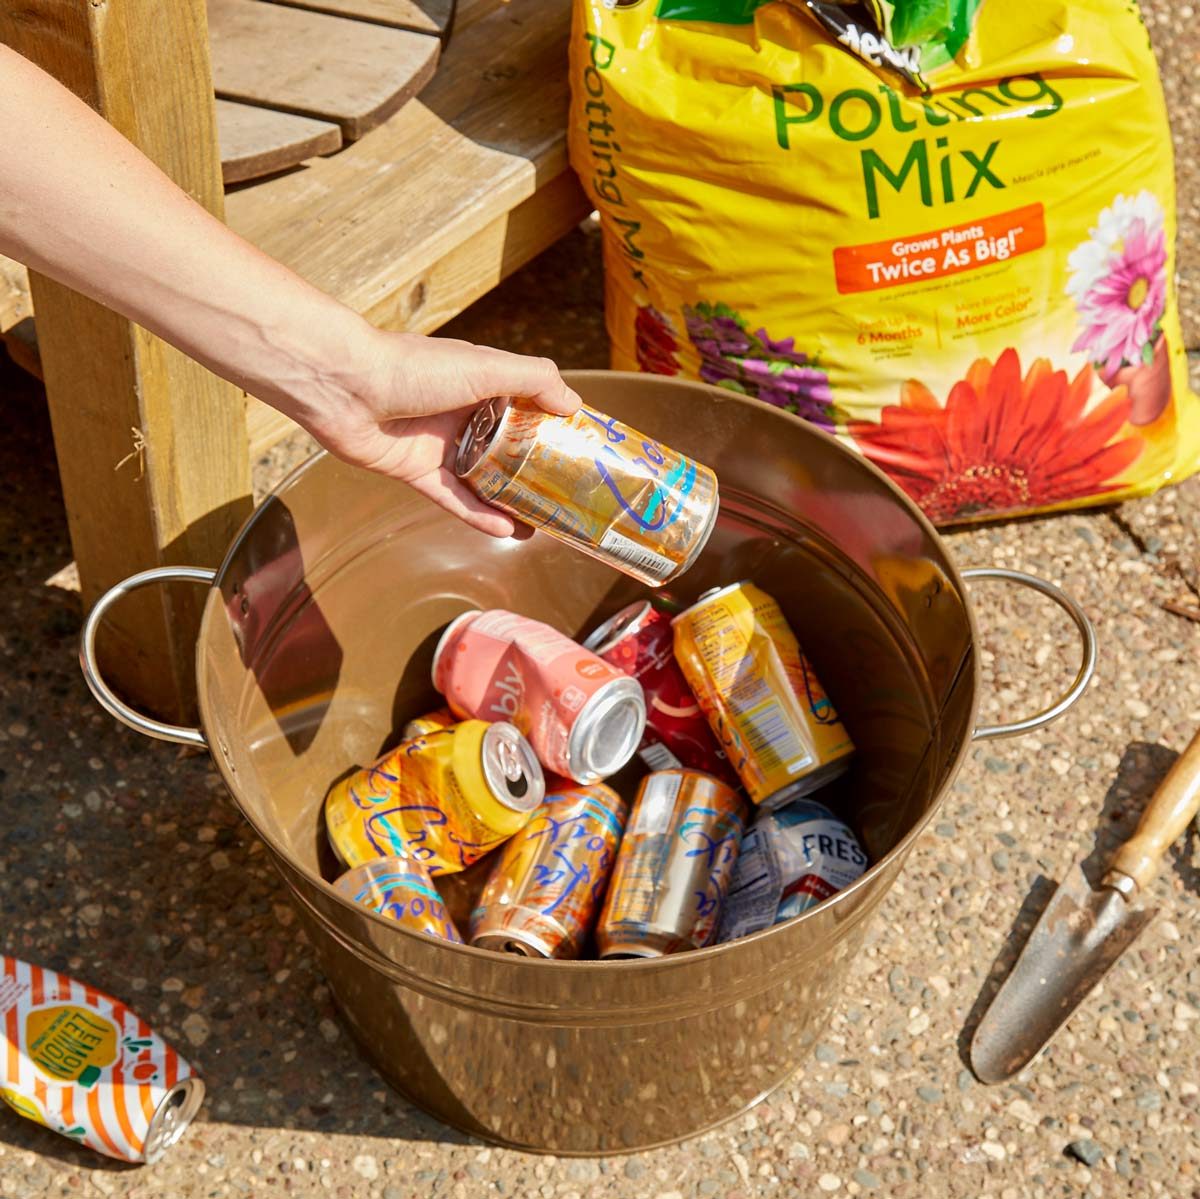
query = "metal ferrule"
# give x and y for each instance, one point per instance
(1125, 886)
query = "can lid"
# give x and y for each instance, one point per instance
(708, 596)
(513, 773)
(444, 640)
(482, 430)
(628, 621)
(176, 1111)
(607, 731)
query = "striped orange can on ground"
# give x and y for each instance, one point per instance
(84, 1065)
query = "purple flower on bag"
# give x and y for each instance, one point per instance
(757, 365)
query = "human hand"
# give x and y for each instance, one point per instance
(401, 410)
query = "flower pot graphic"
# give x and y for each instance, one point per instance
(1148, 384)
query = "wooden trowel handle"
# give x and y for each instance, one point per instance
(1169, 812)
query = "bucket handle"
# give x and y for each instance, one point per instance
(1087, 633)
(181, 734)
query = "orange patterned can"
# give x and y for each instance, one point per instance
(593, 482)
(544, 894)
(760, 694)
(402, 890)
(444, 799)
(84, 1065)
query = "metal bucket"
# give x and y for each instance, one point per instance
(316, 643)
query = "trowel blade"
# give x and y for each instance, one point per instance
(1077, 939)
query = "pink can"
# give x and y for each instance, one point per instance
(583, 717)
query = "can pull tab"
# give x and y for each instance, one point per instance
(511, 768)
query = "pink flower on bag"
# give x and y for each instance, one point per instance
(1119, 283)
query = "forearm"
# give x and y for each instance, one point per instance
(81, 205)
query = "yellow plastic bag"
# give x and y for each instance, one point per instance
(958, 254)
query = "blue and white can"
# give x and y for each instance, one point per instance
(791, 860)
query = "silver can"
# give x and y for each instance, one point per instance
(582, 715)
(544, 893)
(791, 860)
(593, 482)
(673, 870)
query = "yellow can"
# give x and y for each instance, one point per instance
(760, 694)
(443, 799)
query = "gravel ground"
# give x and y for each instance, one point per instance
(129, 867)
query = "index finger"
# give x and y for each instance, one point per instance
(536, 379)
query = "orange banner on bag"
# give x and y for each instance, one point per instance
(941, 252)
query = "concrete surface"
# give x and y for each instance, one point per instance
(123, 862)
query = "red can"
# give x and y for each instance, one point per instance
(583, 717)
(640, 642)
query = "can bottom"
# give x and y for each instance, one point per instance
(806, 786)
(514, 941)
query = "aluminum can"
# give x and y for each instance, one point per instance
(762, 698)
(84, 1065)
(790, 861)
(583, 717)
(674, 867)
(546, 890)
(639, 642)
(593, 482)
(402, 890)
(431, 722)
(444, 799)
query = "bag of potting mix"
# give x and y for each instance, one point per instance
(943, 229)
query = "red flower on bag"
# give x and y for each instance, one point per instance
(1003, 443)
(655, 340)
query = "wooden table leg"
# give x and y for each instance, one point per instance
(112, 387)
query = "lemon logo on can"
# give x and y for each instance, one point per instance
(68, 1043)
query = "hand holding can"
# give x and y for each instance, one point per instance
(593, 482)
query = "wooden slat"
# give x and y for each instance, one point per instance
(488, 132)
(15, 305)
(349, 72)
(421, 16)
(144, 65)
(260, 141)
(431, 297)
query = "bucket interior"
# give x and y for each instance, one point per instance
(318, 640)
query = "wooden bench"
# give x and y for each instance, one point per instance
(409, 224)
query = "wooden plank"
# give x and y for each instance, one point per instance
(349, 72)
(21, 343)
(15, 304)
(260, 141)
(429, 298)
(421, 16)
(488, 132)
(144, 65)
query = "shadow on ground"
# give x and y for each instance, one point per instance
(124, 863)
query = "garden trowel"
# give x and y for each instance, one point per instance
(1082, 933)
